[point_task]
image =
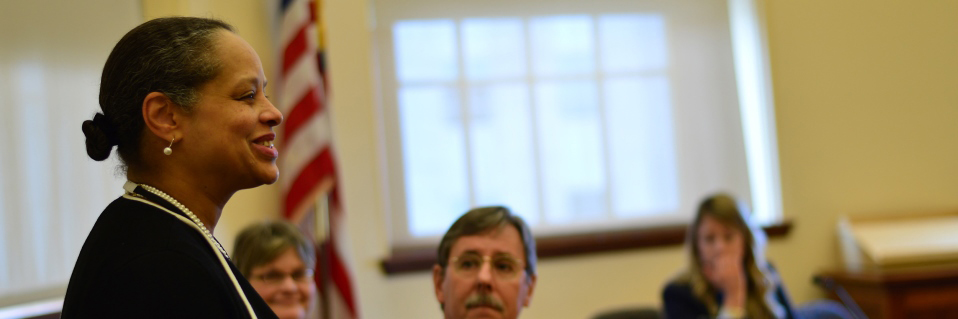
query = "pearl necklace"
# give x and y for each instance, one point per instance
(189, 214)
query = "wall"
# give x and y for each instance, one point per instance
(866, 108)
(866, 111)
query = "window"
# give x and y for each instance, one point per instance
(50, 191)
(579, 119)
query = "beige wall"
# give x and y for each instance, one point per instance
(867, 117)
(867, 106)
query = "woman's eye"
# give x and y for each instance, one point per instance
(248, 96)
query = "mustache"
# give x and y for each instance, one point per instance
(484, 300)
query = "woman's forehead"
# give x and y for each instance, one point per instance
(289, 258)
(238, 60)
(711, 223)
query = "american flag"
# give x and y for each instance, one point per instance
(308, 164)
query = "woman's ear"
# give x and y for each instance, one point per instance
(160, 115)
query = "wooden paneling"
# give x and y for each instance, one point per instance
(912, 292)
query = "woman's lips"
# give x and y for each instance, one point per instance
(268, 151)
(264, 145)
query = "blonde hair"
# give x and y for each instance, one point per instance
(760, 301)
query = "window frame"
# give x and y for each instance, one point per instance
(753, 89)
(419, 259)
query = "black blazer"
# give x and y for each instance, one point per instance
(141, 262)
(681, 303)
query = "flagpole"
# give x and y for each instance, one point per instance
(321, 220)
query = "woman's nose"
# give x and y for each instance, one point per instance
(272, 116)
(718, 247)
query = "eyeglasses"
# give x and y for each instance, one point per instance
(504, 267)
(276, 277)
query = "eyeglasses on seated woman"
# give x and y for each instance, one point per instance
(279, 262)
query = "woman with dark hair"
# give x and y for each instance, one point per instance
(279, 262)
(728, 276)
(182, 100)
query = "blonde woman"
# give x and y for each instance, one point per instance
(728, 276)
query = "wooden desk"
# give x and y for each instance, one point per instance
(913, 292)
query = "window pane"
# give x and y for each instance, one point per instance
(641, 146)
(573, 180)
(434, 158)
(562, 45)
(632, 42)
(493, 48)
(425, 50)
(578, 120)
(503, 152)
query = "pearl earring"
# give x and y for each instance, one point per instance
(169, 149)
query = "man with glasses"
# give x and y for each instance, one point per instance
(486, 266)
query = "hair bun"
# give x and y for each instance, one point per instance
(100, 137)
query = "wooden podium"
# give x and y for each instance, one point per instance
(913, 292)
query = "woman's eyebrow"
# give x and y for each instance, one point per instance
(247, 81)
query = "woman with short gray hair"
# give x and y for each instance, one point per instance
(278, 261)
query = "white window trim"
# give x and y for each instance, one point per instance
(752, 71)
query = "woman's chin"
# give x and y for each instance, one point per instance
(266, 176)
(284, 312)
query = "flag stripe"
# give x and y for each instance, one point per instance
(292, 21)
(307, 162)
(300, 79)
(307, 145)
(295, 49)
(340, 276)
(308, 179)
(301, 113)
